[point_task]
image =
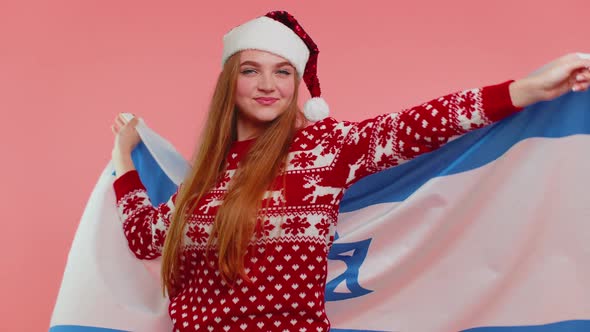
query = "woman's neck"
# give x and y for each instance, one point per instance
(247, 130)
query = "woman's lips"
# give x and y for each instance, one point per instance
(266, 101)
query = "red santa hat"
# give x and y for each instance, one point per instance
(278, 32)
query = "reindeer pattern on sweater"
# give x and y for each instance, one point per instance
(287, 258)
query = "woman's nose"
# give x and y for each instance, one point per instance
(266, 83)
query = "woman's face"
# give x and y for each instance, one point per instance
(265, 87)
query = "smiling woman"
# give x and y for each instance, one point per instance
(265, 87)
(245, 239)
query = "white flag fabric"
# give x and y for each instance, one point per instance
(490, 233)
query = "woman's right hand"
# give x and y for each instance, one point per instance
(126, 136)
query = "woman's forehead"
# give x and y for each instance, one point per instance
(262, 58)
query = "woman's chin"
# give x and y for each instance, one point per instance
(262, 121)
(266, 116)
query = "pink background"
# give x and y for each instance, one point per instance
(68, 67)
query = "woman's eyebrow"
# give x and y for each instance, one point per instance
(251, 63)
(284, 63)
(256, 64)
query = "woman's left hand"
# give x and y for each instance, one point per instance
(567, 73)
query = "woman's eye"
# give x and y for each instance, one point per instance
(252, 71)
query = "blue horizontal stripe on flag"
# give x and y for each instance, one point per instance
(76, 328)
(565, 326)
(564, 116)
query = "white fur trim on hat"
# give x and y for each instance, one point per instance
(316, 109)
(266, 34)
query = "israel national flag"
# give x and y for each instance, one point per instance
(489, 233)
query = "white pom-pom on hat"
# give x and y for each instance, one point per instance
(316, 109)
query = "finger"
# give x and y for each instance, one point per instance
(120, 116)
(579, 76)
(581, 86)
(119, 122)
(583, 75)
(578, 64)
(114, 130)
(133, 122)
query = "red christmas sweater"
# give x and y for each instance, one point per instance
(287, 258)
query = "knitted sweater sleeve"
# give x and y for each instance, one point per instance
(391, 139)
(145, 226)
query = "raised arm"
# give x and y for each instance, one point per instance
(145, 226)
(391, 139)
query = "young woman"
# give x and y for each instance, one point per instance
(245, 238)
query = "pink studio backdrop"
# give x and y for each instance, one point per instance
(68, 67)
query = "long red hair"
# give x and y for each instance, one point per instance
(234, 223)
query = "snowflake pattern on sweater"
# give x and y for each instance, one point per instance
(287, 257)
